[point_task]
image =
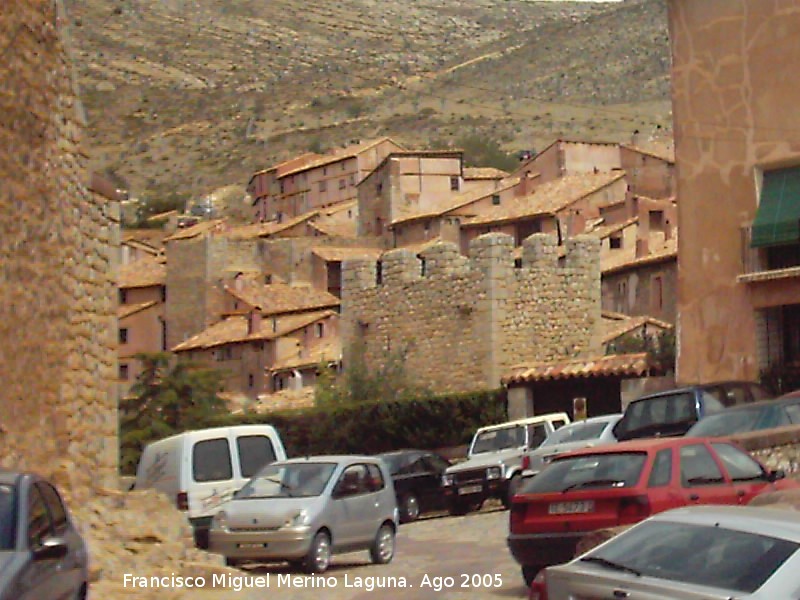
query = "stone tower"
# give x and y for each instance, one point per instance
(57, 299)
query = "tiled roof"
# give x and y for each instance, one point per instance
(339, 254)
(154, 238)
(614, 264)
(665, 150)
(233, 330)
(484, 173)
(336, 156)
(260, 230)
(144, 272)
(447, 204)
(338, 207)
(201, 228)
(277, 298)
(126, 310)
(617, 365)
(616, 325)
(329, 352)
(294, 162)
(548, 198)
(603, 231)
(336, 228)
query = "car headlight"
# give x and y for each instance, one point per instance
(448, 479)
(220, 521)
(494, 473)
(301, 518)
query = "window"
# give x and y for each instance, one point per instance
(656, 220)
(342, 184)
(379, 188)
(123, 335)
(662, 469)
(123, 296)
(598, 471)
(615, 242)
(778, 216)
(322, 185)
(320, 330)
(58, 514)
(164, 293)
(698, 466)
(374, 481)
(496, 199)
(537, 433)
(793, 410)
(123, 372)
(352, 481)
(255, 451)
(211, 460)
(455, 184)
(738, 464)
(250, 381)
(658, 293)
(38, 519)
(352, 179)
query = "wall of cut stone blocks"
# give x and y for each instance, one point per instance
(57, 263)
(462, 321)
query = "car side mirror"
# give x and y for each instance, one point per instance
(776, 474)
(52, 548)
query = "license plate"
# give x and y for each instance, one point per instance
(571, 508)
(251, 546)
(470, 489)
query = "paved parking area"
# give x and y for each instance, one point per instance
(442, 558)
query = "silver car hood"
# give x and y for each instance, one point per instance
(268, 512)
(487, 459)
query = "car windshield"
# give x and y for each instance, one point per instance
(696, 554)
(7, 516)
(499, 439)
(608, 470)
(660, 413)
(576, 432)
(293, 480)
(741, 420)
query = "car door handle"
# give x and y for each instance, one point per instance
(694, 497)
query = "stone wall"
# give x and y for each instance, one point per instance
(777, 448)
(463, 321)
(57, 301)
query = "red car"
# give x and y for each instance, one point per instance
(622, 484)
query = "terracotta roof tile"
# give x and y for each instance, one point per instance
(261, 230)
(620, 262)
(336, 228)
(201, 228)
(340, 254)
(329, 352)
(663, 149)
(277, 298)
(233, 330)
(150, 237)
(548, 198)
(603, 231)
(336, 156)
(619, 365)
(144, 272)
(126, 310)
(618, 325)
(484, 173)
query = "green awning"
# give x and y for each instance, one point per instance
(778, 216)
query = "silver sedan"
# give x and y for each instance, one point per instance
(701, 552)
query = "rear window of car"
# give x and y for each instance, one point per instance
(255, 451)
(738, 421)
(697, 554)
(211, 460)
(576, 432)
(608, 470)
(660, 410)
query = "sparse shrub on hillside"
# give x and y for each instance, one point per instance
(481, 151)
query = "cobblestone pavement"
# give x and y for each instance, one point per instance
(438, 558)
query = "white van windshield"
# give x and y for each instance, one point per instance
(499, 439)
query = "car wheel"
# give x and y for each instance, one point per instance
(382, 550)
(319, 554)
(529, 573)
(410, 508)
(232, 562)
(513, 486)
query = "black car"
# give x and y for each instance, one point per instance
(673, 412)
(42, 555)
(417, 477)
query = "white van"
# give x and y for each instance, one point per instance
(199, 470)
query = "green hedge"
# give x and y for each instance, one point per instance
(428, 423)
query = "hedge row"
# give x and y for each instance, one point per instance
(429, 423)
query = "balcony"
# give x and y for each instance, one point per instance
(768, 264)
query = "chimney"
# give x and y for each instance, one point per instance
(253, 322)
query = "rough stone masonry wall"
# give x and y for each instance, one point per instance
(57, 313)
(465, 320)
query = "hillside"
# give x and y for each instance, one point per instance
(183, 96)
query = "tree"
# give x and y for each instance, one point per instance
(481, 151)
(166, 399)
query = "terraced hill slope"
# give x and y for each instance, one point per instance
(183, 96)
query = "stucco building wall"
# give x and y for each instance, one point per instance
(59, 253)
(649, 290)
(462, 321)
(733, 89)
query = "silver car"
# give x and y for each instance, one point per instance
(304, 509)
(42, 555)
(693, 553)
(596, 431)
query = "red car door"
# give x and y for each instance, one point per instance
(701, 478)
(749, 478)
